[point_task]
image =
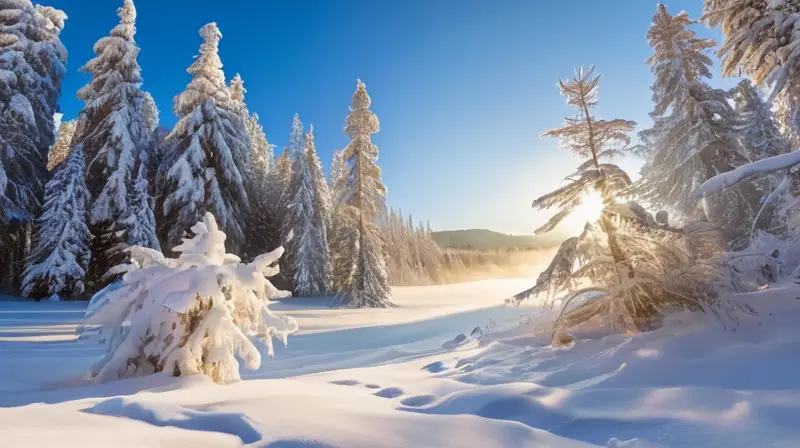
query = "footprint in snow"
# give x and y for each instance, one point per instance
(345, 383)
(372, 386)
(390, 392)
(435, 367)
(418, 400)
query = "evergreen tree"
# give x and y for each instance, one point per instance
(787, 114)
(57, 264)
(293, 151)
(323, 221)
(60, 150)
(278, 180)
(760, 39)
(760, 137)
(337, 169)
(322, 195)
(32, 62)
(627, 268)
(308, 244)
(359, 260)
(205, 167)
(150, 113)
(151, 155)
(262, 225)
(141, 222)
(114, 138)
(695, 132)
(237, 92)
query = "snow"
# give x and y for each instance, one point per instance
(393, 377)
(730, 178)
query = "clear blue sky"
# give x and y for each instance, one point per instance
(462, 88)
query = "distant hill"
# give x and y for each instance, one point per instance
(484, 239)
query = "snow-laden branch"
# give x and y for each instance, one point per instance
(726, 180)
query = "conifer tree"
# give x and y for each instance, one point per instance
(278, 183)
(308, 244)
(60, 150)
(337, 169)
(32, 61)
(150, 113)
(141, 222)
(60, 256)
(359, 259)
(322, 195)
(761, 136)
(205, 167)
(237, 92)
(627, 268)
(293, 151)
(695, 133)
(761, 37)
(262, 225)
(114, 137)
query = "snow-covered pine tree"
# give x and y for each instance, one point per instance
(626, 268)
(695, 133)
(262, 225)
(311, 265)
(141, 222)
(60, 256)
(60, 150)
(760, 39)
(760, 137)
(205, 167)
(787, 113)
(32, 62)
(153, 322)
(237, 92)
(151, 155)
(359, 260)
(278, 180)
(293, 150)
(114, 137)
(150, 113)
(337, 169)
(322, 195)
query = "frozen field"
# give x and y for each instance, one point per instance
(413, 376)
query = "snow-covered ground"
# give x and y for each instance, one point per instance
(413, 376)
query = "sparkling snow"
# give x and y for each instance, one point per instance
(416, 376)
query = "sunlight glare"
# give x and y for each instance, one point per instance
(591, 207)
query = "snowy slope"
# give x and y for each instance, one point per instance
(412, 376)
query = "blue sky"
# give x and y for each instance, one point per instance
(462, 88)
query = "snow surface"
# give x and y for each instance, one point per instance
(426, 374)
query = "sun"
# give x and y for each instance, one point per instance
(590, 209)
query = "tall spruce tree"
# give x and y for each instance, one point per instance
(337, 169)
(204, 168)
(150, 113)
(761, 136)
(59, 152)
(114, 137)
(359, 260)
(141, 222)
(323, 209)
(307, 246)
(262, 226)
(32, 60)
(60, 256)
(695, 134)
